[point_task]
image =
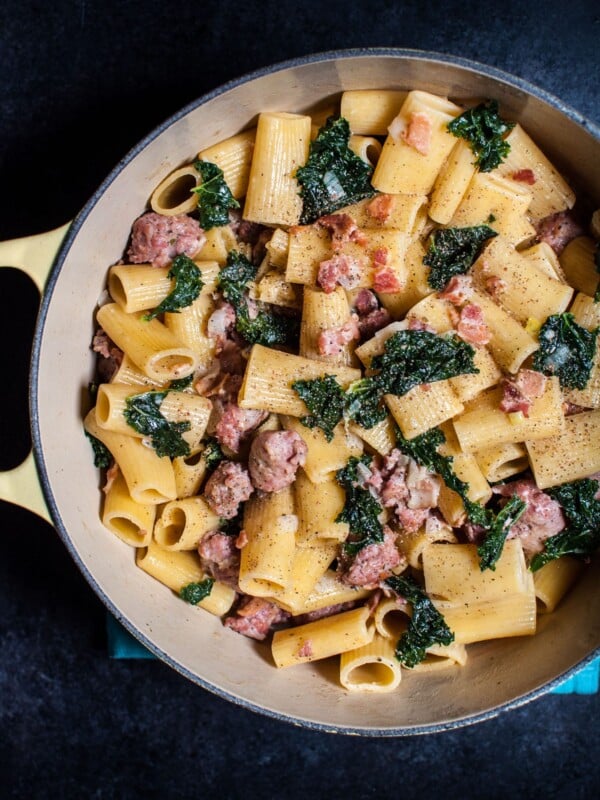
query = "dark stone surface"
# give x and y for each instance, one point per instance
(82, 82)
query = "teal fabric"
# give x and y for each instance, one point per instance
(121, 644)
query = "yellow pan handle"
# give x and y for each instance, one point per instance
(34, 255)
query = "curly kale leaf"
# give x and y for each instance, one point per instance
(266, 327)
(188, 285)
(567, 350)
(181, 384)
(193, 593)
(324, 398)
(214, 196)
(424, 450)
(102, 455)
(364, 402)
(212, 454)
(414, 357)
(235, 276)
(581, 537)
(142, 412)
(490, 550)
(453, 251)
(361, 510)
(333, 175)
(426, 627)
(409, 358)
(483, 129)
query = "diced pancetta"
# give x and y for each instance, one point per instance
(524, 176)
(518, 393)
(339, 270)
(471, 325)
(380, 207)
(331, 341)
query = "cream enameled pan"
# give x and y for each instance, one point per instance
(499, 675)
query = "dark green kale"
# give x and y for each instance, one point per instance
(597, 265)
(188, 285)
(483, 129)
(490, 550)
(453, 251)
(266, 327)
(193, 593)
(364, 402)
(333, 175)
(567, 350)
(143, 414)
(235, 276)
(426, 627)
(361, 510)
(233, 526)
(212, 454)
(325, 400)
(409, 358)
(581, 537)
(214, 196)
(181, 384)
(424, 450)
(413, 357)
(102, 455)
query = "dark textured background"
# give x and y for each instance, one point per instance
(81, 83)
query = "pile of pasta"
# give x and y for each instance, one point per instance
(292, 538)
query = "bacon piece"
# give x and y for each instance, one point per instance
(112, 474)
(520, 392)
(558, 230)
(524, 176)
(380, 207)
(220, 557)
(471, 325)
(416, 324)
(458, 290)
(373, 563)
(274, 459)
(339, 270)
(343, 229)
(418, 132)
(227, 487)
(255, 617)
(236, 424)
(386, 280)
(332, 340)
(542, 518)
(495, 286)
(157, 239)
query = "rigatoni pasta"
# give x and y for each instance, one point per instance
(349, 399)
